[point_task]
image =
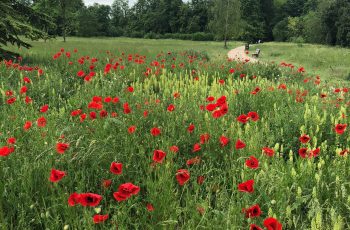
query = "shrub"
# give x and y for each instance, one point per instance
(200, 36)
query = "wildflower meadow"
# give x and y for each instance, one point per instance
(135, 137)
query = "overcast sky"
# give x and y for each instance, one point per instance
(105, 2)
(109, 2)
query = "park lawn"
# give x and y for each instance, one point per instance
(331, 63)
(41, 50)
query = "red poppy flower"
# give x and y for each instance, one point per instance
(220, 101)
(23, 90)
(56, 175)
(252, 163)
(176, 95)
(61, 147)
(150, 207)
(316, 152)
(44, 108)
(103, 113)
(246, 186)
(253, 115)
(132, 129)
(217, 114)
(130, 89)
(76, 112)
(224, 141)
(27, 125)
(92, 115)
(196, 147)
(11, 141)
(200, 180)
(95, 105)
(193, 161)
(344, 152)
(255, 227)
(303, 152)
(240, 144)
(90, 199)
(125, 191)
(5, 151)
(190, 128)
(158, 156)
(272, 224)
(28, 100)
(11, 100)
(304, 138)
(100, 218)
(253, 211)
(171, 108)
(106, 183)
(243, 118)
(26, 80)
(210, 98)
(155, 132)
(126, 108)
(82, 117)
(41, 122)
(268, 151)
(232, 70)
(204, 138)
(174, 149)
(211, 107)
(182, 176)
(340, 128)
(80, 73)
(74, 199)
(255, 91)
(116, 168)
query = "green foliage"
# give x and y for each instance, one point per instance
(226, 21)
(280, 31)
(19, 19)
(316, 21)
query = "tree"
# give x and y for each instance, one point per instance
(226, 21)
(119, 17)
(68, 15)
(254, 26)
(20, 19)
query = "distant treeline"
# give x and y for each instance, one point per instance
(313, 21)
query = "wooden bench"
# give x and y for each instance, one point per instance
(246, 47)
(256, 54)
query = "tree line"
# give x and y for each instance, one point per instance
(312, 21)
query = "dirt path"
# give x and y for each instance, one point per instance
(240, 55)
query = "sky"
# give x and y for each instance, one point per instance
(105, 2)
(108, 2)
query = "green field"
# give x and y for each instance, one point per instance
(331, 63)
(207, 143)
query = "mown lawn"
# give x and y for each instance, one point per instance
(331, 63)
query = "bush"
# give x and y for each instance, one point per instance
(280, 31)
(200, 36)
(136, 34)
(150, 35)
(299, 40)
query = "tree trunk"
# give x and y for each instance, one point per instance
(63, 5)
(226, 23)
